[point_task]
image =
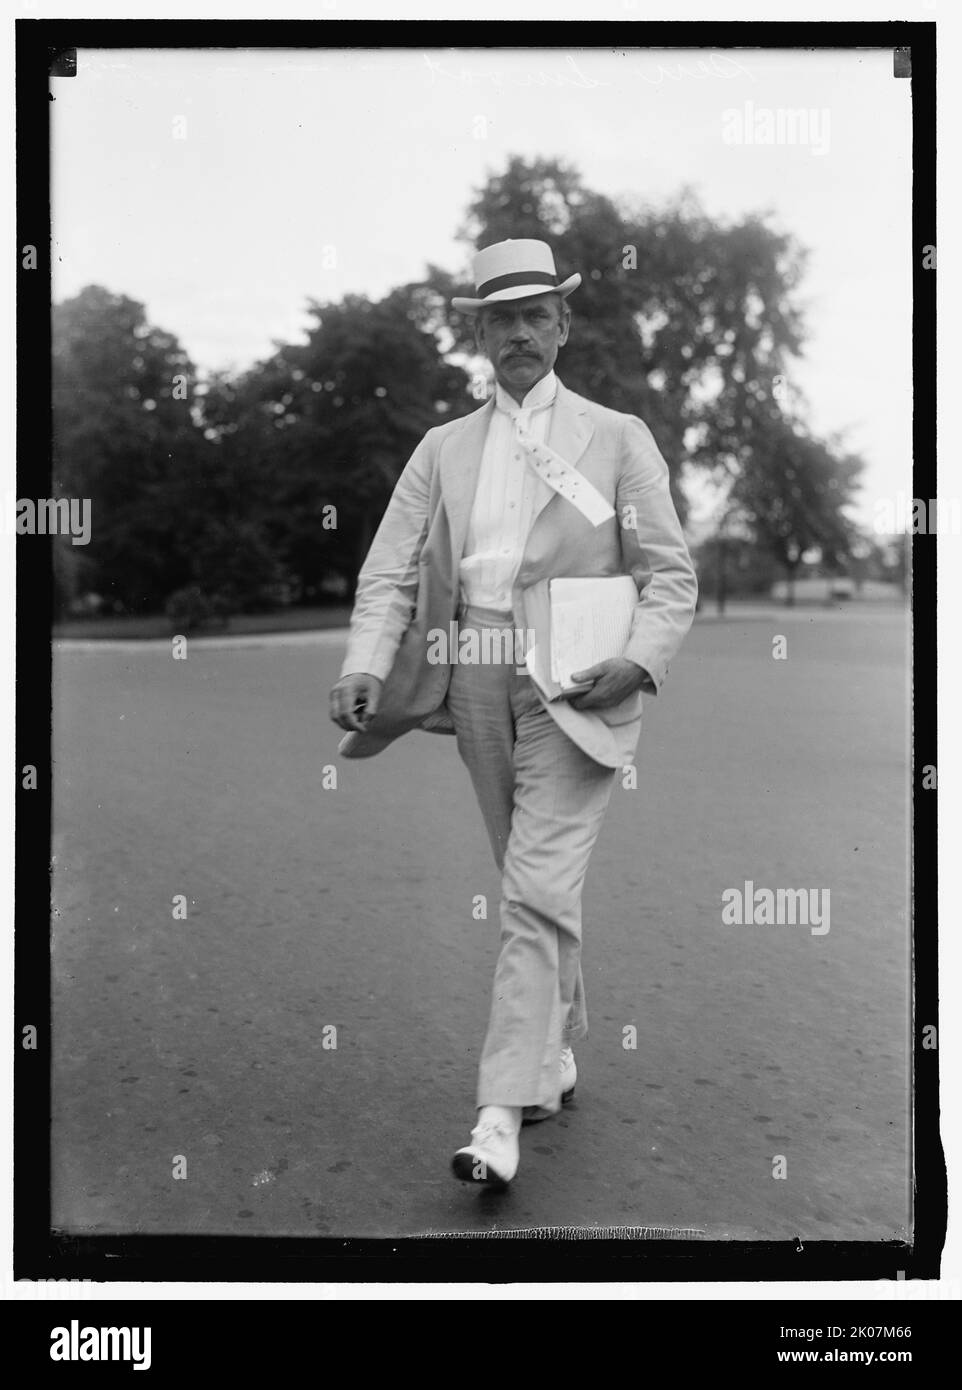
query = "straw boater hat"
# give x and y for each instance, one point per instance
(514, 270)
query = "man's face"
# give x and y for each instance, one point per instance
(522, 338)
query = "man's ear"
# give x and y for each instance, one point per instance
(479, 334)
(565, 325)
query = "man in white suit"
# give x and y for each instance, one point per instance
(537, 484)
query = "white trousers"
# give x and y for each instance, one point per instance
(543, 802)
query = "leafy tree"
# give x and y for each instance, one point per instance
(124, 438)
(684, 321)
(331, 423)
(690, 324)
(794, 491)
(274, 481)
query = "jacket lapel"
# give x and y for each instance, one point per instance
(459, 465)
(460, 459)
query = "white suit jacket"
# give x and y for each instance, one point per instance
(409, 582)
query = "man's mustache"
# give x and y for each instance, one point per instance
(519, 352)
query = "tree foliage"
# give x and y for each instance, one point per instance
(679, 319)
(261, 486)
(123, 439)
(331, 423)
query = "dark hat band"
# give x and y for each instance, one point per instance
(520, 277)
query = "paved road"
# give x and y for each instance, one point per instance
(311, 907)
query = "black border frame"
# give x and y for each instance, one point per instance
(41, 1254)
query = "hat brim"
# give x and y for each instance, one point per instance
(471, 306)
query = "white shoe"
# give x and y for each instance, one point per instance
(492, 1156)
(532, 1114)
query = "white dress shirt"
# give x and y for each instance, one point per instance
(508, 497)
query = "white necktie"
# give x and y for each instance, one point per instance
(561, 475)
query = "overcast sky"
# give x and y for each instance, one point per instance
(221, 233)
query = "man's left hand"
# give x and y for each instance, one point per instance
(614, 681)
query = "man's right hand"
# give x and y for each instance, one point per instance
(354, 700)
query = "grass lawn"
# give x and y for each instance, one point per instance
(158, 625)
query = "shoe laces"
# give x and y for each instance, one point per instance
(491, 1129)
